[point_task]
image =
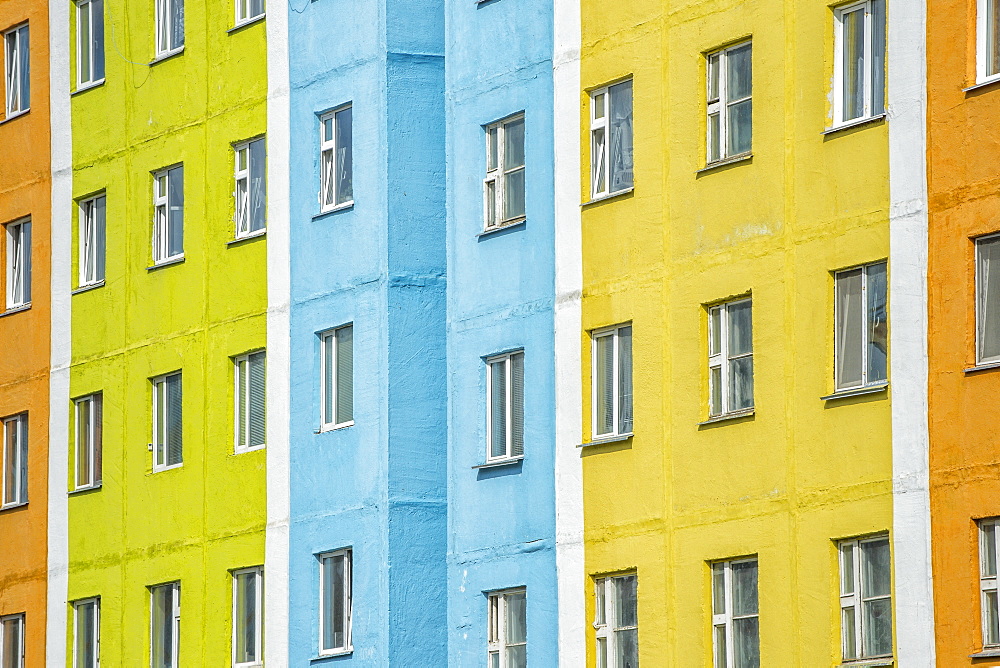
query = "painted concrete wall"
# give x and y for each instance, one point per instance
(196, 522)
(500, 297)
(787, 482)
(376, 486)
(25, 184)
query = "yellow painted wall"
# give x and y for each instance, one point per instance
(799, 474)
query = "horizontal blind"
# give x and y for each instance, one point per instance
(345, 374)
(256, 407)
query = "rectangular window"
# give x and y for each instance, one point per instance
(169, 26)
(503, 187)
(250, 402)
(87, 633)
(505, 406)
(611, 139)
(248, 10)
(17, 70)
(89, 42)
(865, 598)
(862, 326)
(337, 377)
(335, 602)
(251, 188)
(612, 381)
(167, 422)
(92, 238)
(15, 460)
(616, 621)
(508, 629)
(165, 624)
(987, 40)
(336, 159)
(859, 68)
(248, 591)
(168, 221)
(730, 108)
(12, 641)
(988, 581)
(735, 617)
(988, 299)
(730, 357)
(89, 437)
(18, 264)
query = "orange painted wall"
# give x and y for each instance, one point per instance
(964, 202)
(24, 335)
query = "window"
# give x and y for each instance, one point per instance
(335, 602)
(18, 264)
(337, 377)
(505, 406)
(15, 460)
(865, 598)
(86, 633)
(859, 68)
(508, 630)
(89, 436)
(89, 42)
(17, 70)
(735, 623)
(251, 188)
(248, 589)
(616, 622)
(336, 159)
(611, 139)
(862, 326)
(250, 405)
(988, 299)
(987, 40)
(730, 357)
(165, 624)
(92, 239)
(988, 581)
(12, 641)
(169, 26)
(729, 105)
(167, 443)
(168, 222)
(503, 187)
(248, 10)
(612, 382)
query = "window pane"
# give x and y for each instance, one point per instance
(746, 642)
(991, 620)
(345, 374)
(98, 246)
(163, 614)
(83, 30)
(741, 384)
(849, 633)
(740, 127)
(345, 156)
(625, 380)
(86, 623)
(513, 187)
(621, 136)
(498, 408)
(744, 577)
(97, 37)
(878, 328)
(517, 657)
(602, 653)
(517, 405)
(721, 649)
(241, 402)
(853, 63)
(174, 420)
(513, 145)
(597, 159)
(992, 38)
(492, 148)
(740, 328)
(495, 660)
(846, 569)
(175, 218)
(989, 542)
(98, 436)
(12, 642)
(875, 569)
(599, 603)
(258, 185)
(257, 406)
(714, 151)
(988, 298)
(715, 331)
(625, 601)
(605, 384)
(491, 203)
(627, 648)
(245, 633)
(83, 458)
(878, 627)
(850, 328)
(517, 624)
(334, 579)
(718, 589)
(177, 23)
(715, 389)
(713, 77)
(738, 72)
(24, 63)
(878, 56)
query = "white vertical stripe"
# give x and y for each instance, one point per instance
(908, 343)
(569, 284)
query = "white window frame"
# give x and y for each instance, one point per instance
(244, 189)
(164, 20)
(494, 205)
(258, 573)
(866, 326)
(20, 642)
(605, 621)
(85, 43)
(94, 404)
(243, 9)
(600, 154)
(90, 252)
(159, 385)
(20, 495)
(328, 160)
(615, 333)
(856, 599)
(723, 360)
(329, 422)
(348, 602)
(988, 545)
(987, 12)
(725, 619)
(496, 626)
(161, 216)
(720, 103)
(175, 621)
(96, 602)
(838, 67)
(15, 104)
(242, 402)
(981, 307)
(509, 403)
(18, 264)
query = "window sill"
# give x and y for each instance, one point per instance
(87, 86)
(88, 287)
(868, 663)
(244, 451)
(334, 427)
(84, 490)
(732, 415)
(165, 263)
(618, 438)
(736, 159)
(985, 366)
(15, 309)
(982, 84)
(330, 655)
(503, 227)
(166, 55)
(16, 114)
(246, 238)
(164, 469)
(604, 198)
(988, 652)
(244, 24)
(510, 461)
(857, 391)
(12, 506)
(335, 209)
(878, 118)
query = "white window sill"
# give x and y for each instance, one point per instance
(327, 655)
(12, 506)
(857, 391)
(16, 114)
(88, 286)
(334, 209)
(165, 263)
(257, 234)
(868, 663)
(606, 440)
(242, 451)
(847, 125)
(16, 309)
(602, 198)
(733, 160)
(989, 81)
(507, 461)
(504, 226)
(982, 366)
(334, 427)
(166, 55)
(161, 469)
(84, 87)
(732, 415)
(87, 488)
(988, 652)
(236, 28)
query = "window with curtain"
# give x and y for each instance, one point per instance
(865, 598)
(862, 326)
(15, 460)
(17, 70)
(505, 406)
(611, 139)
(18, 264)
(248, 10)
(169, 27)
(251, 406)
(93, 226)
(616, 621)
(86, 633)
(503, 187)
(251, 188)
(859, 76)
(336, 159)
(248, 589)
(730, 357)
(337, 378)
(735, 616)
(730, 108)
(168, 212)
(987, 40)
(507, 629)
(89, 42)
(612, 382)
(988, 299)
(89, 438)
(12, 641)
(165, 625)
(988, 553)
(167, 422)
(335, 602)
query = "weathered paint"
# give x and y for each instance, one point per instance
(377, 486)
(196, 522)
(800, 473)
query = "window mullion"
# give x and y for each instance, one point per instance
(724, 355)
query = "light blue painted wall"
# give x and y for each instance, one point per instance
(500, 297)
(378, 486)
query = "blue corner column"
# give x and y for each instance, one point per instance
(377, 486)
(501, 290)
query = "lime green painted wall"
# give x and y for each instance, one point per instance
(199, 521)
